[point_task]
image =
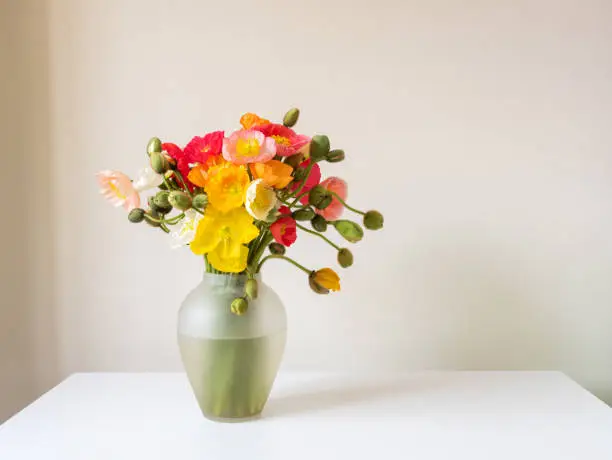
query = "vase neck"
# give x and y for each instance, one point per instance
(229, 280)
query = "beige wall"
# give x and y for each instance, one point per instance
(480, 129)
(28, 352)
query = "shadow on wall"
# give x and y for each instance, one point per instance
(28, 358)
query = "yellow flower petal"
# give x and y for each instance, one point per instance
(226, 186)
(327, 278)
(208, 234)
(229, 258)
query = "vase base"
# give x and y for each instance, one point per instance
(233, 419)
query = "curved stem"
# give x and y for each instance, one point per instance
(288, 259)
(180, 176)
(323, 237)
(301, 187)
(346, 204)
(175, 219)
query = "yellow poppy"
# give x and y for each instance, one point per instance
(326, 278)
(222, 237)
(226, 186)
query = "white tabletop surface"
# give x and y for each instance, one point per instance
(441, 415)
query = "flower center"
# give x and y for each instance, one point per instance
(281, 140)
(247, 147)
(225, 233)
(117, 191)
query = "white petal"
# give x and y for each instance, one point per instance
(147, 179)
(186, 229)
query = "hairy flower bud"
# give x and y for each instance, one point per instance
(295, 160)
(277, 249)
(136, 215)
(319, 223)
(303, 214)
(345, 258)
(319, 147)
(159, 163)
(200, 201)
(350, 231)
(324, 280)
(239, 306)
(373, 220)
(319, 197)
(291, 117)
(251, 289)
(154, 145)
(180, 200)
(161, 203)
(335, 156)
(150, 215)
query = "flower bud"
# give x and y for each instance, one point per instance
(152, 214)
(324, 280)
(277, 249)
(136, 215)
(161, 203)
(200, 201)
(316, 287)
(294, 160)
(319, 223)
(303, 214)
(251, 289)
(335, 156)
(180, 200)
(299, 174)
(239, 306)
(159, 163)
(373, 220)
(324, 203)
(350, 231)
(291, 117)
(345, 258)
(154, 145)
(319, 147)
(319, 197)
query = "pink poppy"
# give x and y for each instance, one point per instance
(335, 209)
(248, 146)
(117, 188)
(288, 142)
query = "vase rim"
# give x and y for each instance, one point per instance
(228, 278)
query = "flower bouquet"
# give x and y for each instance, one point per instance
(239, 201)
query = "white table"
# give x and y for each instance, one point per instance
(446, 415)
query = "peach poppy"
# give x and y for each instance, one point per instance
(335, 209)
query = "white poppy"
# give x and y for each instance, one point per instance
(260, 199)
(186, 229)
(147, 179)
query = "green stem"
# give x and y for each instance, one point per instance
(323, 237)
(164, 228)
(301, 187)
(346, 204)
(175, 219)
(259, 249)
(180, 176)
(288, 259)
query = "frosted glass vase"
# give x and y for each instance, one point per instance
(231, 361)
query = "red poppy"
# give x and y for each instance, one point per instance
(313, 179)
(200, 149)
(284, 230)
